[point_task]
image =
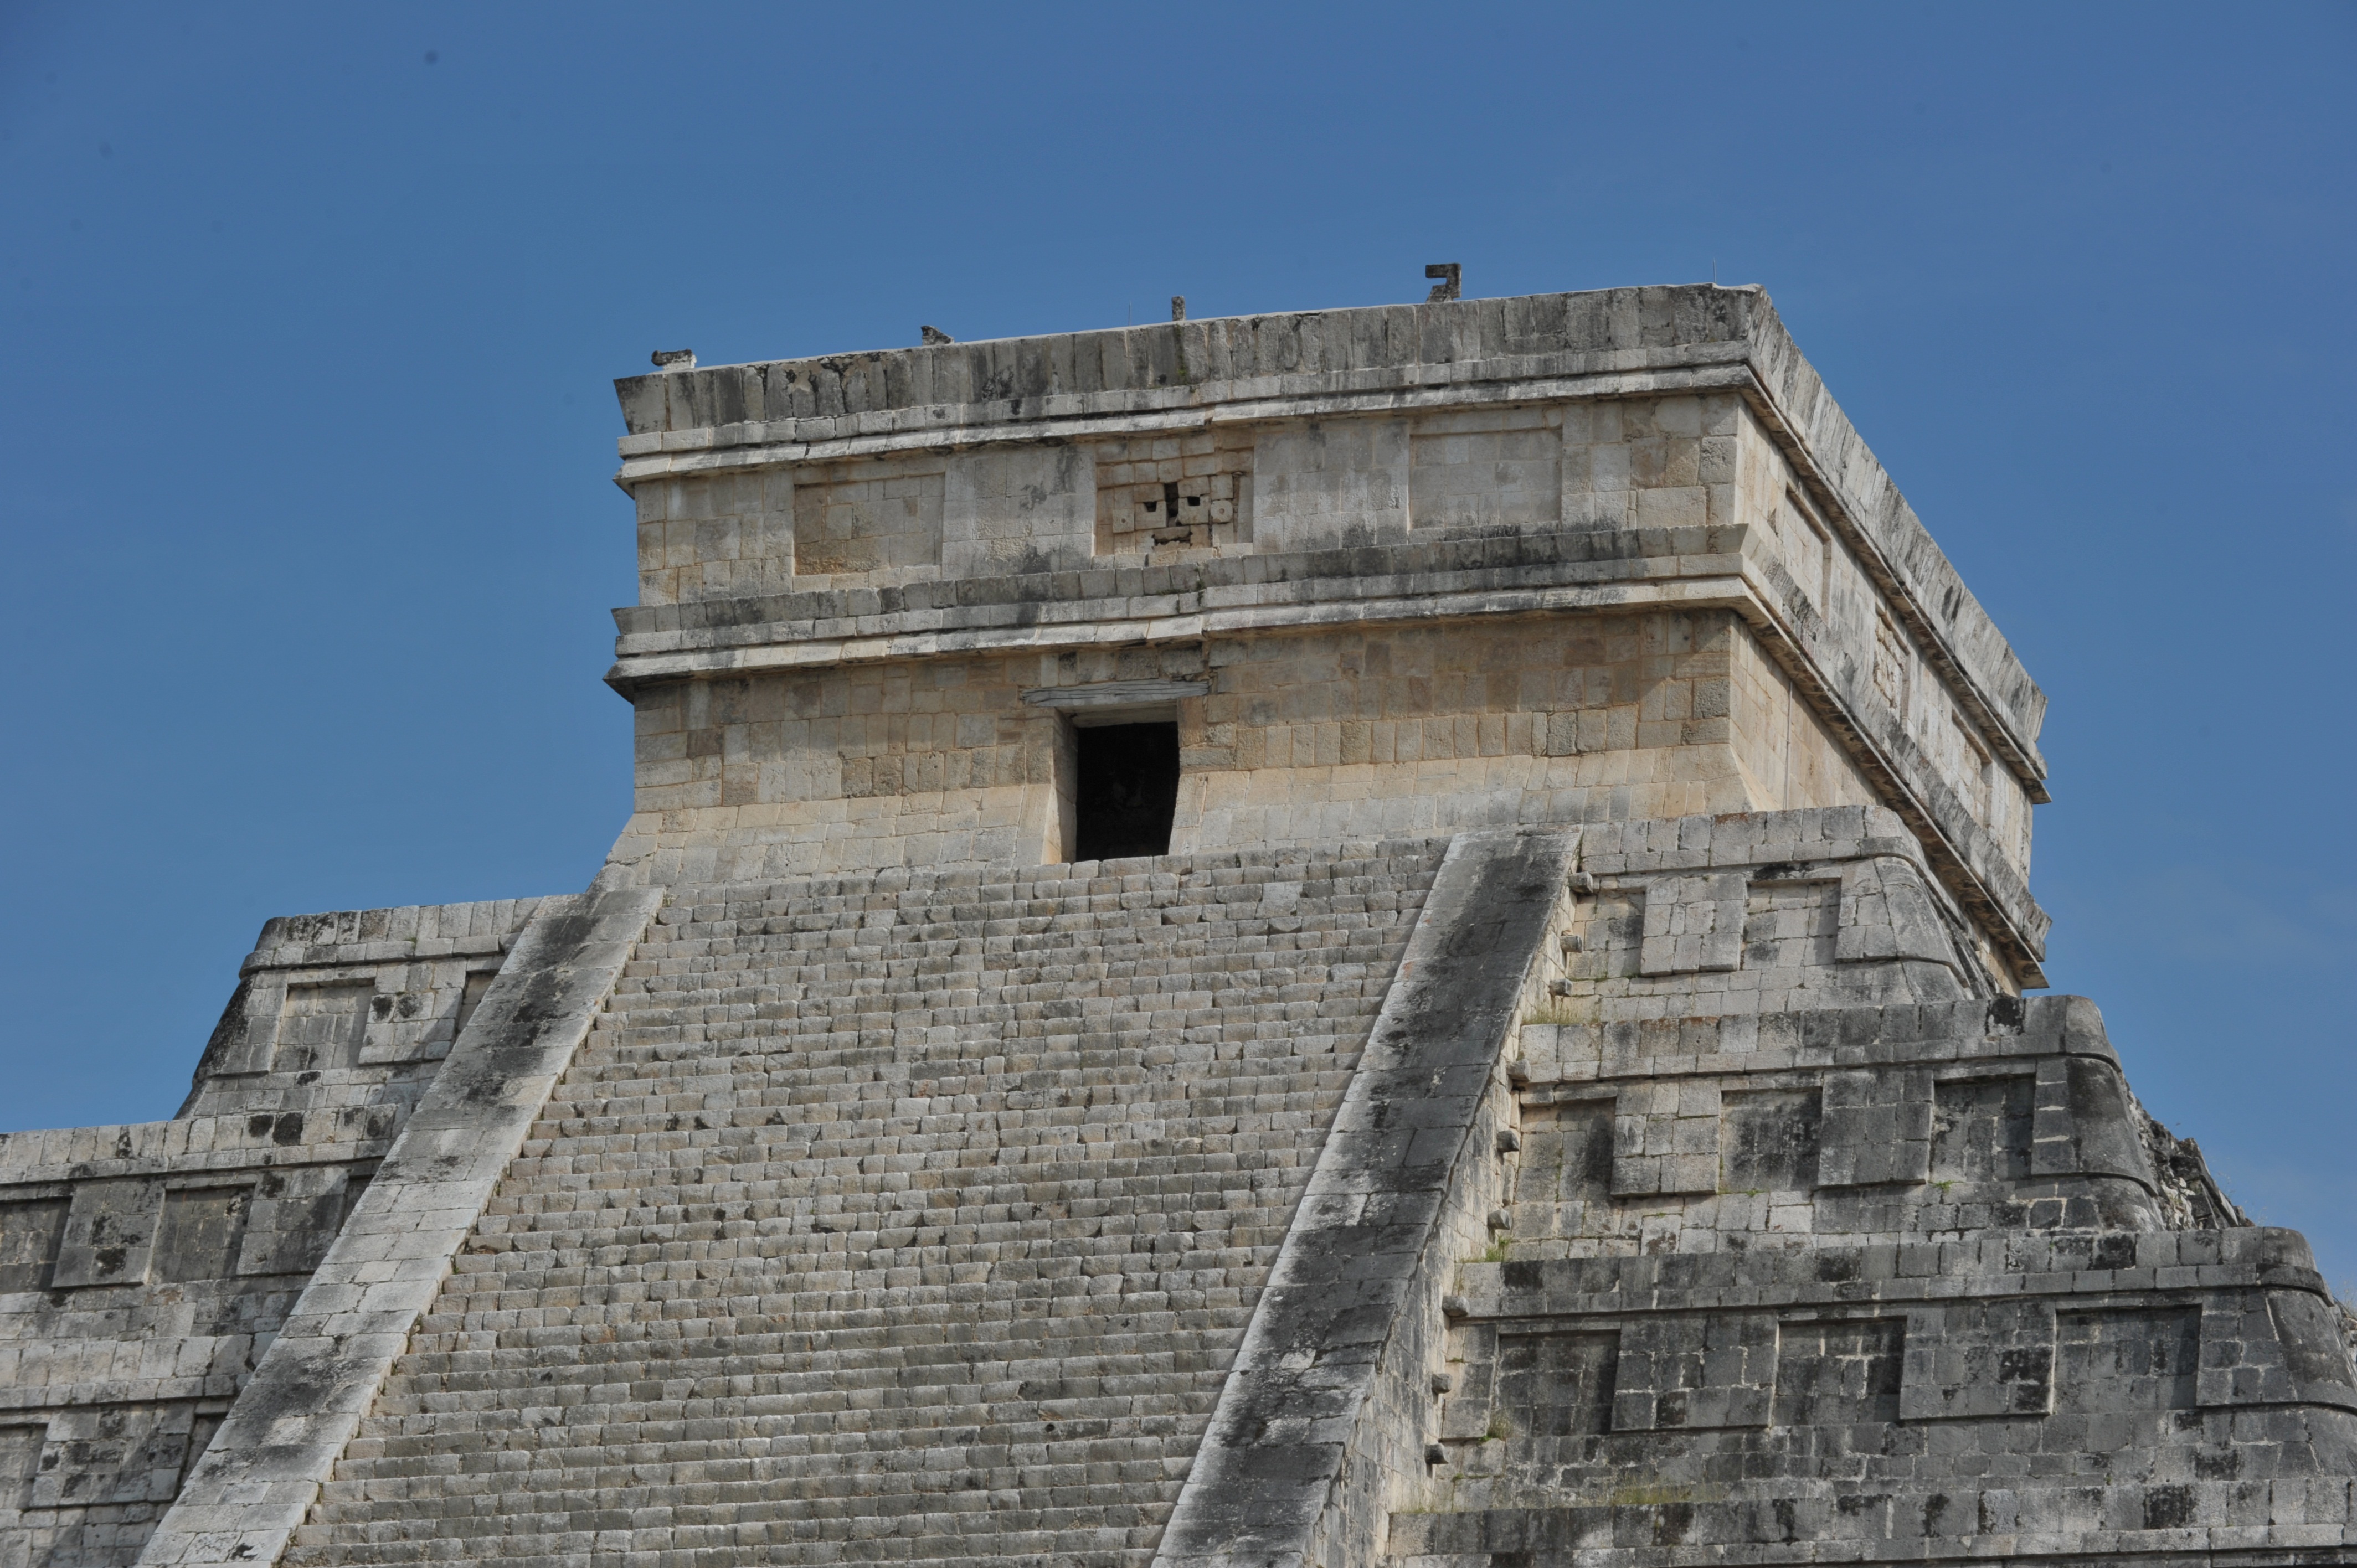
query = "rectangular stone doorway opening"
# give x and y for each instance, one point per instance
(1126, 789)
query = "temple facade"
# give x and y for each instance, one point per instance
(1392, 936)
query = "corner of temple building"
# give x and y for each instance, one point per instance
(1389, 936)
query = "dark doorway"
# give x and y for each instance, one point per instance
(1128, 790)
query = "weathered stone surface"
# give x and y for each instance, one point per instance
(1352, 1305)
(1567, 1096)
(891, 1218)
(145, 1269)
(326, 1365)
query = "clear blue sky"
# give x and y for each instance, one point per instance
(309, 315)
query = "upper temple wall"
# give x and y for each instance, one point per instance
(1216, 482)
(1017, 511)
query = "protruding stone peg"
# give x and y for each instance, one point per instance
(1455, 1306)
(1509, 1141)
(1574, 942)
(674, 358)
(1451, 276)
(1499, 1220)
(1434, 1453)
(1442, 1382)
(1518, 1073)
(933, 335)
(1581, 881)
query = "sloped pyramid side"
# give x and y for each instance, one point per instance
(899, 1219)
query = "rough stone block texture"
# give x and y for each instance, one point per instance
(1668, 1173)
(1952, 1322)
(1174, 490)
(1348, 361)
(1876, 1128)
(324, 1366)
(899, 1218)
(1225, 485)
(145, 1270)
(1692, 923)
(357, 1007)
(1298, 1459)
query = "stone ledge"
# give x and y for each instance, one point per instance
(2022, 1263)
(236, 1142)
(755, 445)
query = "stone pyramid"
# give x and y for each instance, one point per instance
(1387, 936)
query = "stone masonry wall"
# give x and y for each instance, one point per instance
(1323, 498)
(1337, 443)
(1429, 729)
(1399, 729)
(1659, 462)
(1875, 657)
(1319, 364)
(145, 1269)
(941, 763)
(1805, 1250)
(1787, 758)
(912, 1218)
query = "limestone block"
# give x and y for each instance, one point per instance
(323, 1024)
(1550, 1383)
(859, 518)
(247, 1038)
(2110, 1362)
(31, 1232)
(1017, 510)
(1695, 1372)
(2315, 1341)
(1665, 1139)
(2273, 1348)
(1769, 1139)
(1693, 924)
(1886, 914)
(1487, 470)
(1473, 1370)
(1837, 1370)
(1329, 483)
(294, 1215)
(1878, 1127)
(111, 1456)
(1666, 462)
(2085, 1124)
(1174, 491)
(109, 1233)
(1979, 1359)
(1983, 1128)
(203, 1230)
(716, 536)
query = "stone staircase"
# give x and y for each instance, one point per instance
(905, 1219)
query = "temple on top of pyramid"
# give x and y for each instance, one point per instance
(1380, 936)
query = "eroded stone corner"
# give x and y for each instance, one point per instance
(263, 1470)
